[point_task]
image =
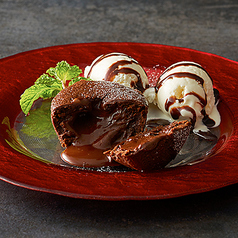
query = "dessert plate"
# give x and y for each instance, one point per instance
(18, 167)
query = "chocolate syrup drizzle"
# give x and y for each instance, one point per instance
(176, 112)
(185, 63)
(170, 101)
(115, 70)
(180, 75)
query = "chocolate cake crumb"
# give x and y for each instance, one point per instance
(151, 150)
(99, 113)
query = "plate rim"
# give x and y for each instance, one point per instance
(104, 197)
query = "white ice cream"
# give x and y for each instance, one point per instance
(119, 68)
(184, 91)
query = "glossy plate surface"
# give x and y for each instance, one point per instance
(18, 72)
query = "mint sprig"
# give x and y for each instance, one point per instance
(63, 72)
(38, 123)
(49, 84)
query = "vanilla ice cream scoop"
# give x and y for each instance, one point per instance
(119, 68)
(185, 91)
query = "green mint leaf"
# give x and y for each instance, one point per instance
(38, 123)
(50, 83)
(45, 79)
(38, 91)
(74, 80)
(64, 72)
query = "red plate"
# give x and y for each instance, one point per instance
(18, 72)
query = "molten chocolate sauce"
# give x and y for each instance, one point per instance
(86, 156)
(96, 132)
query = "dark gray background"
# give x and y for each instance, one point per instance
(210, 26)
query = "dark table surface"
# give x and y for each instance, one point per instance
(210, 26)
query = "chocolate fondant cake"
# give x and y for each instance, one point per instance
(98, 113)
(151, 150)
